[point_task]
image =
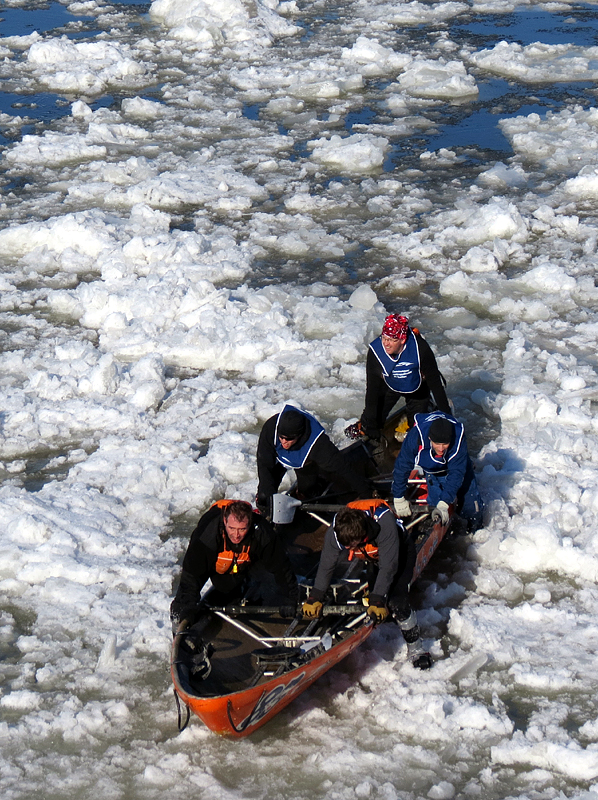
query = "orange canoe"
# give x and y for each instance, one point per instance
(238, 666)
(255, 669)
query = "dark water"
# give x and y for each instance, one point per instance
(474, 125)
(525, 26)
(24, 21)
(50, 20)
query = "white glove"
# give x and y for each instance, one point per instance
(441, 512)
(402, 507)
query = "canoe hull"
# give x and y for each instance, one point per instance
(240, 713)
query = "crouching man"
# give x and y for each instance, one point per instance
(229, 541)
(436, 444)
(295, 440)
(370, 531)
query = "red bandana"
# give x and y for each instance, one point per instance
(395, 327)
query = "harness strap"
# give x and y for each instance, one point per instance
(228, 560)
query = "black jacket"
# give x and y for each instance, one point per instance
(324, 456)
(379, 398)
(209, 539)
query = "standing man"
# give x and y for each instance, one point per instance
(295, 440)
(230, 538)
(374, 535)
(436, 443)
(399, 364)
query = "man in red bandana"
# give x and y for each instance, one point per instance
(399, 364)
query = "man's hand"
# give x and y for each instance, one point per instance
(312, 609)
(263, 504)
(378, 613)
(402, 507)
(441, 512)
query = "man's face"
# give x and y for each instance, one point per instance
(393, 346)
(438, 448)
(287, 443)
(236, 529)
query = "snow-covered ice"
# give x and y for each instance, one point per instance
(223, 203)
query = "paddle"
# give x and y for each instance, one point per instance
(284, 611)
(284, 507)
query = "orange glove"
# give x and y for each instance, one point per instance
(311, 609)
(378, 613)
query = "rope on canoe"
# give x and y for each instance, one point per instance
(180, 724)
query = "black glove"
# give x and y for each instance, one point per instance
(371, 431)
(175, 611)
(179, 612)
(264, 505)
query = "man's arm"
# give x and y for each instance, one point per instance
(187, 596)
(269, 471)
(388, 555)
(196, 566)
(329, 558)
(375, 391)
(455, 474)
(405, 463)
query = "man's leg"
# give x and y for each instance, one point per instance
(470, 505)
(406, 619)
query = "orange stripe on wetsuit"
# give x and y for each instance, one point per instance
(367, 551)
(229, 561)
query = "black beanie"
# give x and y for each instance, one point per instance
(441, 431)
(292, 424)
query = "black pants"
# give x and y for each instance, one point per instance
(417, 403)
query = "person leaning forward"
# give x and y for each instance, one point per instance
(399, 363)
(370, 531)
(436, 444)
(230, 539)
(295, 440)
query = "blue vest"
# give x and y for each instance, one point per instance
(295, 459)
(401, 373)
(425, 458)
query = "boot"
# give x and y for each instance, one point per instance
(418, 656)
(415, 647)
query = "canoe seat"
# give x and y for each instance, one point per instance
(271, 659)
